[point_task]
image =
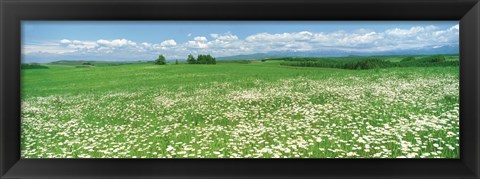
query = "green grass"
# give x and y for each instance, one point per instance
(239, 110)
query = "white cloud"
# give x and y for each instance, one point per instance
(65, 41)
(200, 38)
(53, 49)
(359, 40)
(410, 32)
(168, 43)
(145, 44)
(76, 44)
(455, 27)
(196, 44)
(225, 37)
(116, 42)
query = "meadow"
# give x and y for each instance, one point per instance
(239, 109)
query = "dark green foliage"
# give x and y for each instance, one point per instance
(213, 60)
(210, 59)
(351, 63)
(312, 62)
(33, 66)
(161, 60)
(88, 63)
(363, 63)
(369, 63)
(176, 62)
(202, 59)
(191, 59)
(436, 60)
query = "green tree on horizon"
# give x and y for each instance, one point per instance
(201, 59)
(161, 60)
(191, 59)
(206, 59)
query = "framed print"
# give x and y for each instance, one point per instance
(247, 89)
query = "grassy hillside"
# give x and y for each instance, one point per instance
(239, 110)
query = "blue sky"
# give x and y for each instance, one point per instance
(144, 40)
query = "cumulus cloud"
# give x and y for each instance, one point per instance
(65, 41)
(76, 44)
(167, 43)
(200, 38)
(360, 40)
(224, 37)
(116, 42)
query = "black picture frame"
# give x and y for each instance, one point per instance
(12, 12)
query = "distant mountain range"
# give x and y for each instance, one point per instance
(447, 49)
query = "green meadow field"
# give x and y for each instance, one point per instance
(240, 109)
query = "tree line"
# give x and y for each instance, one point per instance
(201, 59)
(368, 62)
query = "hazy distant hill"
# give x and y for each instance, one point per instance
(336, 53)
